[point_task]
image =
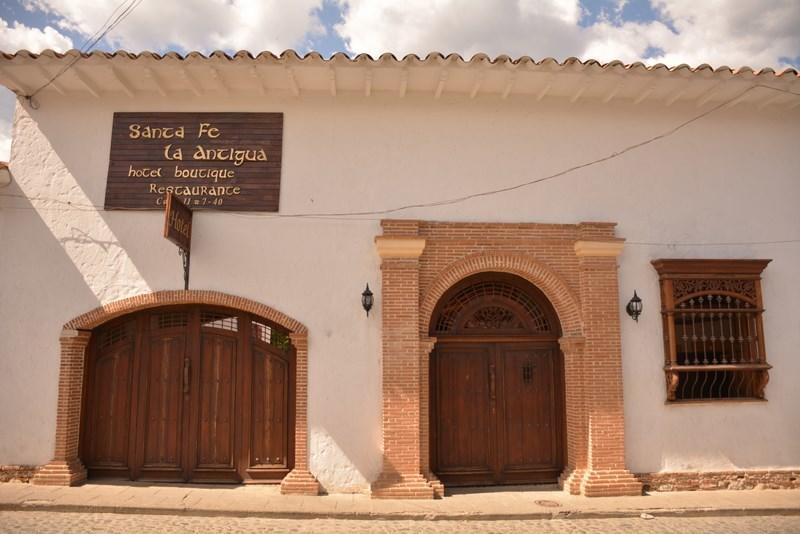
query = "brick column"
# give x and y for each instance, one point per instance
(605, 473)
(66, 469)
(426, 345)
(577, 424)
(300, 481)
(402, 474)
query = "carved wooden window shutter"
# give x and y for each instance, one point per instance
(713, 333)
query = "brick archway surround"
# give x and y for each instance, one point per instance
(66, 468)
(575, 267)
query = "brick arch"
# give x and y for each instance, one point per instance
(66, 468)
(105, 313)
(564, 301)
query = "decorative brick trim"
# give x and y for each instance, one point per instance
(723, 480)
(575, 267)
(66, 468)
(105, 313)
(399, 247)
(599, 248)
(17, 473)
(300, 481)
(559, 294)
(576, 427)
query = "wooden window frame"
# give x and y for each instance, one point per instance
(684, 279)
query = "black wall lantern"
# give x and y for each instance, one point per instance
(366, 300)
(634, 307)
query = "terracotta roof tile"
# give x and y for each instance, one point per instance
(244, 55)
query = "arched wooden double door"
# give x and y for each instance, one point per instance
(189, 393)
(497, 402)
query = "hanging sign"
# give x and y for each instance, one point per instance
(178, 229)
(178, 222)
(224, 161)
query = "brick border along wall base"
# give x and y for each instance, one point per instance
(721, 480)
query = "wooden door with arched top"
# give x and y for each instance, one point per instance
(189, 393)
(496, 382)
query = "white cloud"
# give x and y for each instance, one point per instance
(18, 37)
(733, 32)
(203, 25)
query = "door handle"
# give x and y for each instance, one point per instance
(492, 395)
(187, 363)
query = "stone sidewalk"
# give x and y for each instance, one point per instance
(266, 501)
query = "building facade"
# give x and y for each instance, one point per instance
(502, 211)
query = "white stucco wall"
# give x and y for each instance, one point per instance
(731, 177)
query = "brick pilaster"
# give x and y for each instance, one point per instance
(66, 469)
(402, 473)
(426, 345)
(605, 473)
(300, 481)
(577, 424)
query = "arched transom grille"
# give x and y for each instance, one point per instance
(492, 305)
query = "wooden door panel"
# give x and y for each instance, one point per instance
(162, 405)
(268, 445)
(110, 408)
(215, 400)
(189, 393)
(464, 427)
(529, 381)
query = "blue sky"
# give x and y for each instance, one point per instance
(757, 33)
(330, 13)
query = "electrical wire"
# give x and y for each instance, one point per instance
(92, 41)
(362, 215)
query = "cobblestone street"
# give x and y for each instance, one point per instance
(56, 522)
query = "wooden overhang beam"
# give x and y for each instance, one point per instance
(368, 82)
(90, 86)
(708, 94)
(440, 85)
(261, 83)
(293, 87)
(619, 86)
(510, 81)
(122, 82)
(476, 83)
(220, 82)
(332, 80)
(189, 80)
(582, 89)
(47, 77)
(546, 86)
(644, 94)
(403, 88)
(677, 94)
(770, 100)
(151, 76)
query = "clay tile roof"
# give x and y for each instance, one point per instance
(388, 57)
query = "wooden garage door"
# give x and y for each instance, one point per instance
(189, 394)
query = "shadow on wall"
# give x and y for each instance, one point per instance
(71, 256)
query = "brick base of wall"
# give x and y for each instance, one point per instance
(395, 486)
(59, 473)
(721, 480)
(17, 473)
(300, 482)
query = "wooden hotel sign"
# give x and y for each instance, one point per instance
(178, 222)
(224, 161)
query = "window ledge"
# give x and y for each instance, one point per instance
(712, 401)
(719, 367)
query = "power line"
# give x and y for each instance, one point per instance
(91, 41)
(360, 215)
